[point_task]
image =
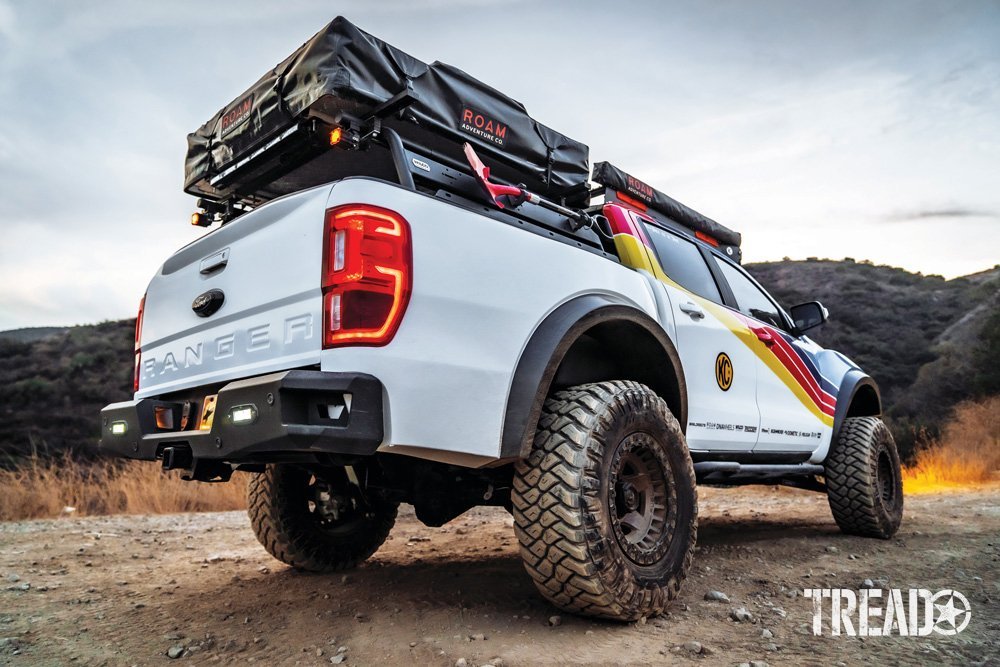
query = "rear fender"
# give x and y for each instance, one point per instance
(545, 351)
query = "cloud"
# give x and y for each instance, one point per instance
(942, 213)
(8, 23)
(807, 126)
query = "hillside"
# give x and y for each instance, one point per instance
(52, 389)
(929, 342)
(31, 334)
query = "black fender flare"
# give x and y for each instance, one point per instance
(545, 351)
(853, 381)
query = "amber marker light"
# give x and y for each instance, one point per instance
(336, 134)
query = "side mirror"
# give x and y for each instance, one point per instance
(809, 315)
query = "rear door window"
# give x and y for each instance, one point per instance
(751, 299)
(681, 260)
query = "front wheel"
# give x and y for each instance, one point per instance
(605, 507)
(864, 483)
(319, 522)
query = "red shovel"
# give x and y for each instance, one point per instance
(516, 195)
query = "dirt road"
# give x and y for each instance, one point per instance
(128, 590)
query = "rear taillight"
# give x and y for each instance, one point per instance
(138, 337)
(367, 275)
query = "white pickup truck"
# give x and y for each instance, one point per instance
(429, 336)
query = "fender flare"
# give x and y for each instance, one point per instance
(545, 351)
(853, 381)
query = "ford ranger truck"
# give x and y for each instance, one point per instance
(425, 331)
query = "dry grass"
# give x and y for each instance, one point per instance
(967, 454)
(45, 488)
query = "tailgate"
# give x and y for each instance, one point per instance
(267, 266)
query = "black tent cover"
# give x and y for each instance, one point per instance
(343, 68)
(612, 177)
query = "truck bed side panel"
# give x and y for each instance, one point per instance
(480, 289)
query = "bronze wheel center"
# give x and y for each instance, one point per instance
(642, 499)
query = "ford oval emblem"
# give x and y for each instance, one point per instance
(207, 304)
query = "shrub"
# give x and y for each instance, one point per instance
(968, 451)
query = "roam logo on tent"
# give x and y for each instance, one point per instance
(481, 125)
(639, 189)
(234, 117)
(916, 612)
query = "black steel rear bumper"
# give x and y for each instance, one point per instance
(292, 413)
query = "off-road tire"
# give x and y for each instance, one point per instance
(864, 483)
(278, 504)
(564, 499)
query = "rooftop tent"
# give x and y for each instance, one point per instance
(621, 183)
(260, 144)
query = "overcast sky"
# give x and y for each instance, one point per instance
(828, 129)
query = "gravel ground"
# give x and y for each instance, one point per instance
(199, 589)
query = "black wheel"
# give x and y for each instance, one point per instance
(605, 507)
(317, 523)
(863, 479)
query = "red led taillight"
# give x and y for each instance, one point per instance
(138, 337)
(367, 275)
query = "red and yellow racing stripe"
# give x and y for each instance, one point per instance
(780, 357)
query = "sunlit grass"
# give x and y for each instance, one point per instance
(967, 454)
(64, 486)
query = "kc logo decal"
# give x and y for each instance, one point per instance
(724, 371)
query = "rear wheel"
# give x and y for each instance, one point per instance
(317, 522)
(863, 479)
(605, 507)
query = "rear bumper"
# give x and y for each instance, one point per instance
(293, 414)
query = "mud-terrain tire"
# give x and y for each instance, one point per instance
(864, 483)
(606, 507)
(299, 531)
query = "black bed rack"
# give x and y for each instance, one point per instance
(385, 155)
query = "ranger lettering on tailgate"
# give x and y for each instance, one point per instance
(297, 329)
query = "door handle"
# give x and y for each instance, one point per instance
(214, 262)
(693, 310)
(764, 336)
